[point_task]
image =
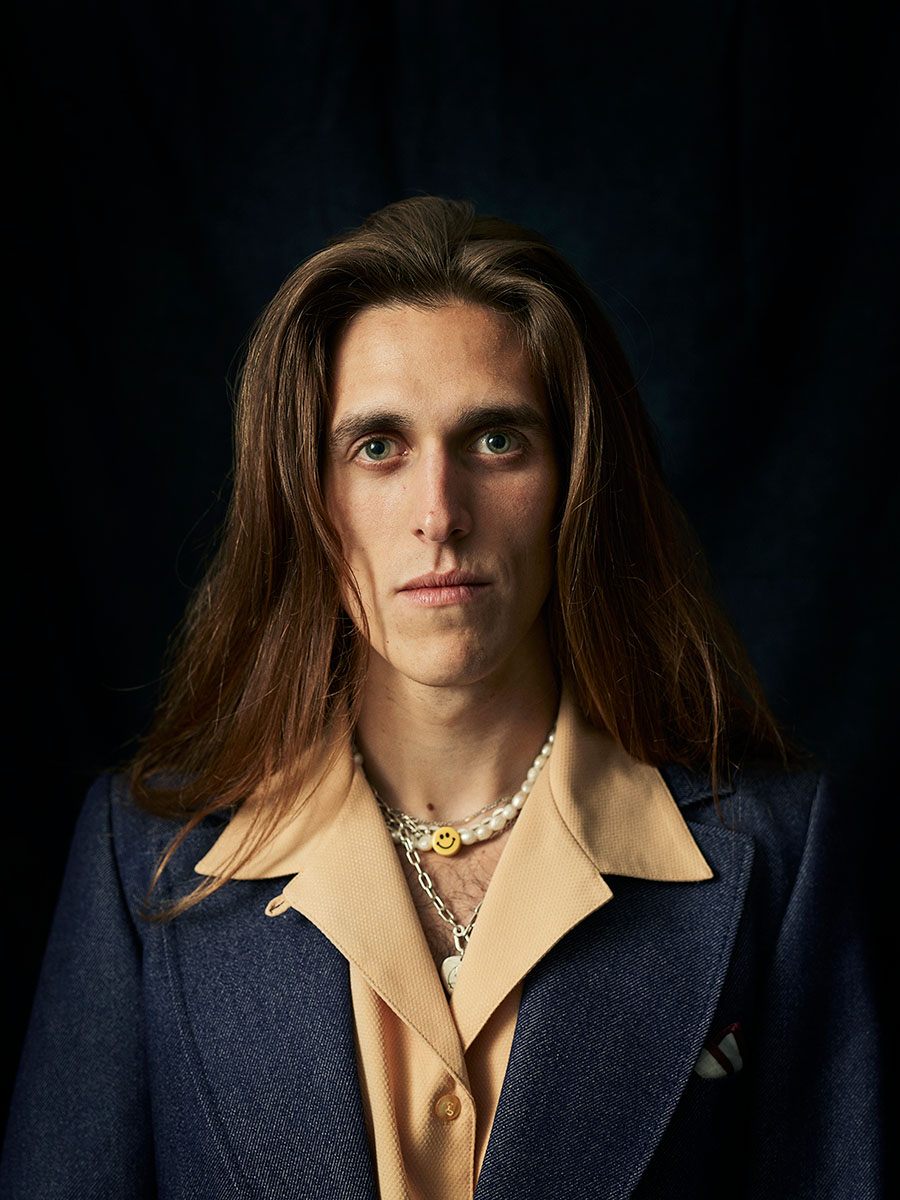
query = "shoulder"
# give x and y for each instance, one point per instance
(115, 837)
(790, 817)
(772, 806)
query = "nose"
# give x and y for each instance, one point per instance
(440, 505)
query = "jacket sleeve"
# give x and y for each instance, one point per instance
(80, 1124)
(818, 1058)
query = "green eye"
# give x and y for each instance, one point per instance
(497, 443)
(376, 449)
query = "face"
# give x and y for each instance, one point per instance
(441, 480)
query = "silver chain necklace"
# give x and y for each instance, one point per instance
(461, 933)
(404, 829)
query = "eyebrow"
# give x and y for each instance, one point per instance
(356, 425)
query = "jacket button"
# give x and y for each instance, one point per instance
(448, 1107)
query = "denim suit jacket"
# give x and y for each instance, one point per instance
(213, 1056)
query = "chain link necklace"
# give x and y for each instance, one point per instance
(414, 835)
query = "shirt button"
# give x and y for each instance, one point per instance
(448, 1107)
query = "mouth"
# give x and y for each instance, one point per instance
(451, 587)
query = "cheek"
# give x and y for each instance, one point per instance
(354, 526)
(356, 519)
(528, 517)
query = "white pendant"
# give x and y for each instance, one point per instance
(450, 970)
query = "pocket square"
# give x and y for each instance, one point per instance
(722, 1054)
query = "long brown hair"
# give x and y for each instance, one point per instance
(266, 656)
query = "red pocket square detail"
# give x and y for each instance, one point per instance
(722, 1054)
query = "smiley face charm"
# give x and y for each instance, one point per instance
(446, 840)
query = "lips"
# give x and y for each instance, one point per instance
(446, 580)
(436, 590)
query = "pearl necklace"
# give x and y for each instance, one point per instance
(404, 829)
(448, 838)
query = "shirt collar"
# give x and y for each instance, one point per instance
(617, 810)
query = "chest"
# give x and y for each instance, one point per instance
(460, 884)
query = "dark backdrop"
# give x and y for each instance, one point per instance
(719, 171)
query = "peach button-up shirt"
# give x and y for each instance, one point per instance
(431, 1067)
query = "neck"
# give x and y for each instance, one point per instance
(443, 753)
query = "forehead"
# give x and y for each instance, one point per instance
(455, 354)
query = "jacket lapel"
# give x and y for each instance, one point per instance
(265, 1039)
(610, 1026)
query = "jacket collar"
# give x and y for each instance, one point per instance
(594, 812)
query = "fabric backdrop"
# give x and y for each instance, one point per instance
(719, 171)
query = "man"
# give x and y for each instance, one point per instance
(454, 928)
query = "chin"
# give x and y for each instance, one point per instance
(465, 666)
